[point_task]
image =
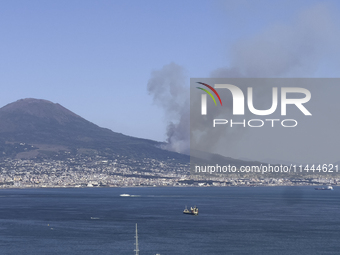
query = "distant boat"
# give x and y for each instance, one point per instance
(192, 211)
(324, 188)
(125, 195)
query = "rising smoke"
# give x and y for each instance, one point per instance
(169, 89)
(285, 50)
(282, 50)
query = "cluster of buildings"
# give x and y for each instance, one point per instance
(90, 171)
(98, 171)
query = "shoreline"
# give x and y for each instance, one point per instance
(179, 186)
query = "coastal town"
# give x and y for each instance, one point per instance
(97, 171)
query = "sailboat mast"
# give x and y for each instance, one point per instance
(136, 250)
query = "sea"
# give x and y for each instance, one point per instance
(231, 220)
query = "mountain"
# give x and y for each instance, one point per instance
(31, 128)
(60, 143)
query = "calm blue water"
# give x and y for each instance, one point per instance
(232, 220)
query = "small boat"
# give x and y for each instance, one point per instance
(323, 188)
(125, 195)
(192, 211)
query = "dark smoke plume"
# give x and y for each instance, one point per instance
(169, 89)
(295, 49)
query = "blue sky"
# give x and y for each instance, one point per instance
(96, 57)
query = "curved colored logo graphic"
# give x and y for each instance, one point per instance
(208, 92)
